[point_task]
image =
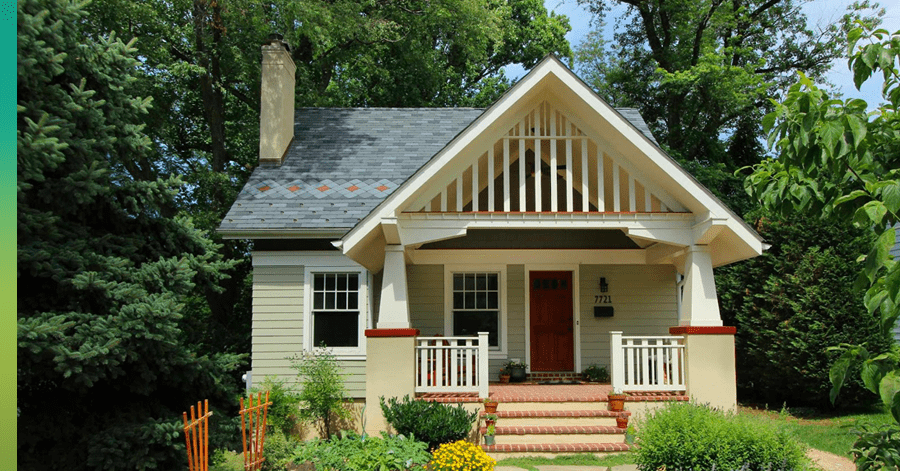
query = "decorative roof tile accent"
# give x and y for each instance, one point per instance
(343, 162)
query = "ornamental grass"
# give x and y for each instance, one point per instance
(461, 456)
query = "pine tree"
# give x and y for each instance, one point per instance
(105, 264)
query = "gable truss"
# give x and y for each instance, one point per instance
(546, 163)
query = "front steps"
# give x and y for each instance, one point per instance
(549, 428)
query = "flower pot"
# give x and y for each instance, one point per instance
(622, 421)
(490, 407)
(517, 374)
(504, 379)
(489, 422)
(616, 402)
(489, 440)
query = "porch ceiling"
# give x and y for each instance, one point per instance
(537, 239)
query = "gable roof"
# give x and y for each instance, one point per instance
(342, 163)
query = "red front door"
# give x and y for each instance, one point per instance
(552, 339)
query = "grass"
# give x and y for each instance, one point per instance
(827, 431)
(531, 463)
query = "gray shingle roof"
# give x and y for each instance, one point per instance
(343, 162)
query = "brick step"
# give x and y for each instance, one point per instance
(558, 434)
(557, 417)
(518, 406)
(550, 450)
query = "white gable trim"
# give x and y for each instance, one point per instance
(697, 198)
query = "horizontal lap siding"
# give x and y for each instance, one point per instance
(643, 299)
(278, 328)
(515, 317)
(425, 284)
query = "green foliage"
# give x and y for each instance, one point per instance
(877, 448)
(279, 450)
(792, 302)
(321, 390)
(284, 413)
(837, 159)
(105, 267)
(691, 436)
(351, 452)
(595, 372)
(432, 422)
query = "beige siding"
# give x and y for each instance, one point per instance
(515, 317)
(426, 298)
(278, 328)
(643, 297)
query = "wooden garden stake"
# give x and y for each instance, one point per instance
(196, 437)
(253, 430)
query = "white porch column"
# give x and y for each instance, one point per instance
(393, 312)
(699, 305)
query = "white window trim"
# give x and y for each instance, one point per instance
(365, 312)
(494, 352)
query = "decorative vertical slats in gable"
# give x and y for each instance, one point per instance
(546, 163)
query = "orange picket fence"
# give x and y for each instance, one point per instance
(253, 430)
(196, 436)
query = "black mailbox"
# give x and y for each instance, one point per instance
(603, 311)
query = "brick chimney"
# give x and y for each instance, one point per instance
(276, 117)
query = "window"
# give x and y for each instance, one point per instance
(476, 305)
(336, 310)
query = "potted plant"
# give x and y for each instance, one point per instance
(504, 375)
(622, 420)
(617, 400)
(516, 370)
(490, 419)
(595, 374)
(489, 435)
(490, 405)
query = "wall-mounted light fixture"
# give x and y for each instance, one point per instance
(604, 287)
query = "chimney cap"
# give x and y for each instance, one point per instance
(276, 38)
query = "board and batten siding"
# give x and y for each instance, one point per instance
(278, 328)
(643, 299)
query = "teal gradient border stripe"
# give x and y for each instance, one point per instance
(8, 231)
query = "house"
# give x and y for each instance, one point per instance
(548, 228)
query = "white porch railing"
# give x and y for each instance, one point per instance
(452, 364)
(642, 363)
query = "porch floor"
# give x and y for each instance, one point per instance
(532, 392)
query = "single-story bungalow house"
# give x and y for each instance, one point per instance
(426, 247)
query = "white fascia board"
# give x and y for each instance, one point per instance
(488, 257)
(389, 206)
(692, 190)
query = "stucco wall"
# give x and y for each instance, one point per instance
(643, 299)
(278, 328)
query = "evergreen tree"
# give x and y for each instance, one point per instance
(105, 264)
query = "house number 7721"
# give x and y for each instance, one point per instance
(602, 299)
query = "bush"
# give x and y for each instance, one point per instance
(322, 389)
(877, 448)
(284, 413)
(352, 452)
(461, 456)
(278, 450)
(596, 373)
(793, 302)
(431, 422)
(690, 436)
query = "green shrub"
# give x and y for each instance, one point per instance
(284, 413)
(877, 448)
(352, 452)
(431, 422)
(690, 436)
(278, 450)
(322, 389)
(793, 302)
(596, 373)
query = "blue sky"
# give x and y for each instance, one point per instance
(819, 12)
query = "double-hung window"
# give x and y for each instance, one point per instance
(476, 298)
(337, 311)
